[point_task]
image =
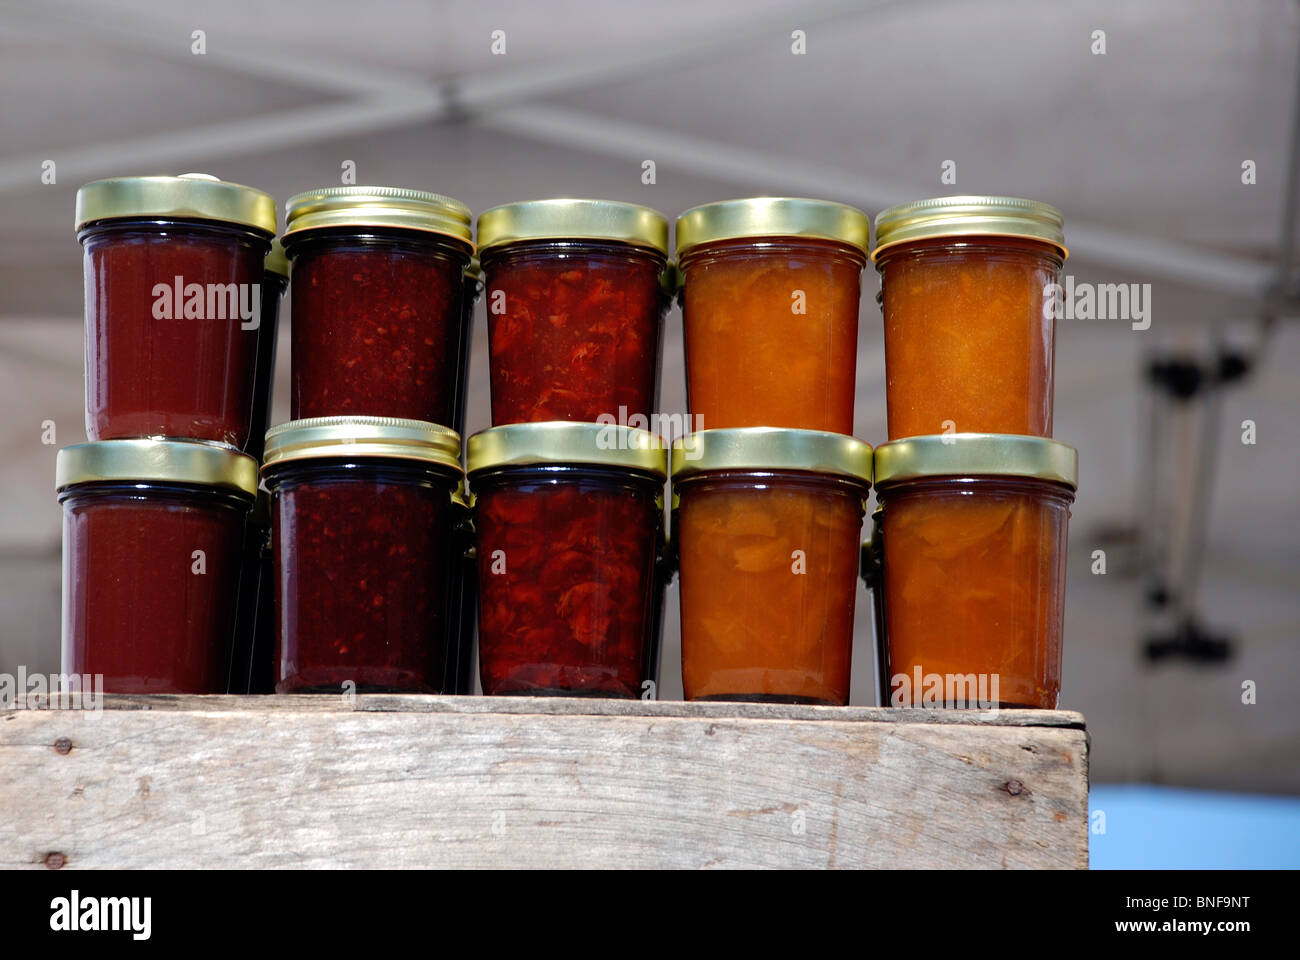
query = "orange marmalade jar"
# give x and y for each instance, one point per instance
(974, 535)
(969, 344)
(770, 304)
(767, 524)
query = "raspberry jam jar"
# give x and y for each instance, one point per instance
(969, 333)
(376, 311)
(152, 535)
(770, 304)
(575, 306)
(767, 525)
(362, 527)
(569, 518)
(974, 567)
(275, 281)
(173, 282)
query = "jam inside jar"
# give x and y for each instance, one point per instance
(769, 551)
(377, 303)
(770, 310)
(974, 571)
(152, 534)
(576, 298)
(362, 527)
(567, 551)
(173, 271)
(969, 336)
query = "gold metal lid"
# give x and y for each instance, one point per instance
(570, 219)
(562, 442)
(378, 207)
(976, 455)
(773, 217)
(969, 216)
(386, 438)
(191, 196)
(156, 461)
(771, 448)
(276, 261)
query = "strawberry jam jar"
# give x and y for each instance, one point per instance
(376, 306)
(965, 286)
(569, 518)
(576, 298)
(767, 527)
(362, 527)
(770, 305)
(973, 548)
(152, 535)
(173, 285)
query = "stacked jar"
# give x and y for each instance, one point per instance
(568, 483)
(367, 541)
(180, 327)
(974, 494)
(769, 488)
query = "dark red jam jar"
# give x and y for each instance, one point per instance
(576, 297)
(173, 282)
(152, 531)
(275, 281)
(377, 305)
(569, 524)
(362, 532)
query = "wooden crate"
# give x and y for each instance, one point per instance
(416, 781)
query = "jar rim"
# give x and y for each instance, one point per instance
(771, 448)
(969, 216)
(373, 206)
(567, 443)
(190, 196)
(775, 217)
(156, 460)
(570, 218)
(976, 455)
(362, 437)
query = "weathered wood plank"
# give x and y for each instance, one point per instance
(519, 782)
(582, 706)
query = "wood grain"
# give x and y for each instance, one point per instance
(392, 781)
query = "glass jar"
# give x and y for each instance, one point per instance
(362, 526)
(974, 567)
(173, 272)
(965, 285)
(575, 306)
(152, 531)
(569, 519)
(275, 281)
(770, 305)
(377, 302)
(766, 525)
